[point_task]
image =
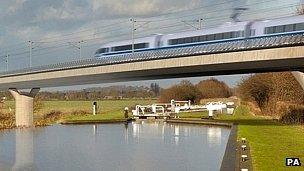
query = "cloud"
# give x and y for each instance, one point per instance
(26, 33)
(15, 5)
(110, 8)
(68, 10)
(1, 41)
(52, 13)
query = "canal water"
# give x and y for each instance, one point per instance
(135, 146)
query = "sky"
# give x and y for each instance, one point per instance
(56, 26)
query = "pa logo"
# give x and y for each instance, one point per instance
(293, 162)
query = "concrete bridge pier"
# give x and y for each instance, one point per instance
(24, 106)
(299, 77)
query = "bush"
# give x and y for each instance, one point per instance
(79, 112)
(38, 105)
(293, 115)
(54, 114)
(7, 121)
(267, 89)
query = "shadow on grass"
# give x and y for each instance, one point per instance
(244, 121)
(253, 122)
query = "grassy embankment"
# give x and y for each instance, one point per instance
(270, 141)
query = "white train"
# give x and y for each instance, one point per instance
(226, 32)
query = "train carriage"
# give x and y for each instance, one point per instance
(226, 32)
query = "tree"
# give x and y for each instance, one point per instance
(155, 88)
(256, 88)
(185, 90)
(213, 88)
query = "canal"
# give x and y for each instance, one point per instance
(134, 146)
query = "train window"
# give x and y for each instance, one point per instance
(202, 38)
(121, 48)
(280, 29)
(175, 41)
(268, 30)
(129, 47)
(172, 42)
(218, 36)
(289, 28)
(102, 50)
(223, 35)
(141, 45)
(299, 26)
(234, 34)
(188, 40)
(196, 39)
(227, 35)
(210, 37)
(181, 41)
(284, 28)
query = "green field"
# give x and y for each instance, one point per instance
(271, 142)
(79, 110)
(105, 106)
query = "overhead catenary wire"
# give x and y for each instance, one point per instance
(174, 25)
(164, 14)
(102, 38)
(91, 44)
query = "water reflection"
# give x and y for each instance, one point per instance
(176, 134)
(142, 128)
(94, 129)
(24, 160)
(126, 125)
(214, 136)
(134, 146)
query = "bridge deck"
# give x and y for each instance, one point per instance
(265, 42)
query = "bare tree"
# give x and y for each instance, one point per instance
(300, 10)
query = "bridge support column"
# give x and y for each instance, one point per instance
(299, 77)
(24, 106)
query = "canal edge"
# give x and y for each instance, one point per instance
(230, 162)
(81, 122)
(202, 122)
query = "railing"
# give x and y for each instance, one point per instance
(243, 44)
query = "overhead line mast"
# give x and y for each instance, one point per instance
(199, 21)
(134, 28)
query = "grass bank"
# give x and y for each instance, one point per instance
(270, 141)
